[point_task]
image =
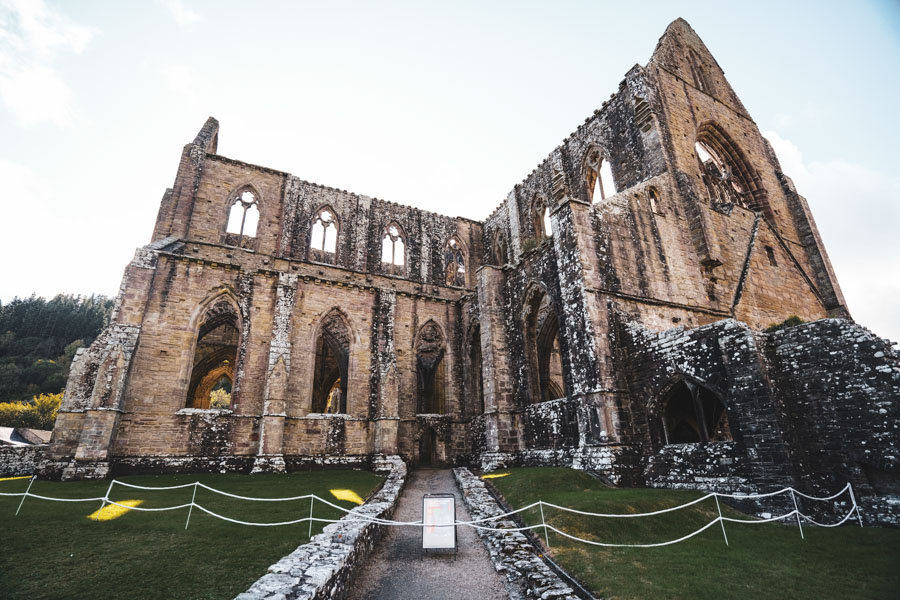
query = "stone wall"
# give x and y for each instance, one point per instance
(514, 557)
(17, 461)
(323, 568)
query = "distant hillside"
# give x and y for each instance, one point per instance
(38, 339)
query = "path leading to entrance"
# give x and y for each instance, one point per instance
(399, 569)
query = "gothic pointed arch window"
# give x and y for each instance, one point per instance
(212, 382)
(726, 174)
(243, 219)
(540, 218)
(454, 263)
(431, 379)
(698, 72)
(542, 348)
(323, 236)
(692, 413)
(330, 373)
(498, 248)
(393, 250)
(598, 176)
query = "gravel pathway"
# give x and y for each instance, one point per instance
(399, 569)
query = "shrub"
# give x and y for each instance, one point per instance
(219, 399)
(791, 321)
(39, 413)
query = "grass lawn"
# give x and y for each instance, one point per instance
(762, 561)
(52, 550)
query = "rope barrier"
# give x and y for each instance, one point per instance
(355, 515)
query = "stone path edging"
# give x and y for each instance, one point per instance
(323, 567)
(512, 554)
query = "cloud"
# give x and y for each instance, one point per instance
(31, 37)
(183, 14)
(857, 211)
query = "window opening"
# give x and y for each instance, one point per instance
(212, 373)
(324, 232)
(393, 250)
(454, 264)
(330, 373)
(770, 253)
(694, 414)
(599, 177)
(244, 216)
(654, 200)
(430, 373)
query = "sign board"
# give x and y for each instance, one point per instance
(438, 516)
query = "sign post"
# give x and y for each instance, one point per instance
(438, 518)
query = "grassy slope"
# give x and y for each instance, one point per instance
(51, 550)
(762, 561)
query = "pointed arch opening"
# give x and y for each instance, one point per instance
(431, 380)
(692, 413)
(393, 250)
(545, 365)
(330, 372)
(243, 218)
(540, 218)
(323, 236)
(725, 171)
(598, 176)
(498, 249)
(454, 263)
(212, 382)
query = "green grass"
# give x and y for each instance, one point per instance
(52, 550)
(762, 561)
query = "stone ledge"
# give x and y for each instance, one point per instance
(323, 568)
(513, 555)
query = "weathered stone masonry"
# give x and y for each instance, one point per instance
(606, 315)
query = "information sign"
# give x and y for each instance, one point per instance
(438, 516)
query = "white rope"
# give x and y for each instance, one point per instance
(831, 497)
(629, 515)
(161, 487)
(145, 509)
(755, 521)
(253, 499)
(657, 545)
(841, 522)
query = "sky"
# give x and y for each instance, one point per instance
(443, 106)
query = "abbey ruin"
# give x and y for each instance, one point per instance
(609, 315)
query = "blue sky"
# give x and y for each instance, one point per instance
(444, 106)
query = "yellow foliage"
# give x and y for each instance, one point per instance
(40, 413)
(347, 495)
(494, 475)
(219, 399)
(114, 511)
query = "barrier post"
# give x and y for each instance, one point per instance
(25, 495)
(721, 521)
(797, 513)
(312, 499)
(855, 505)
(191, 508)
(544, 523)
(106, 496)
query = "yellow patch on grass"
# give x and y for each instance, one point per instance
(114, 511)
(347, 495)
(11, 478)
(494, 475)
